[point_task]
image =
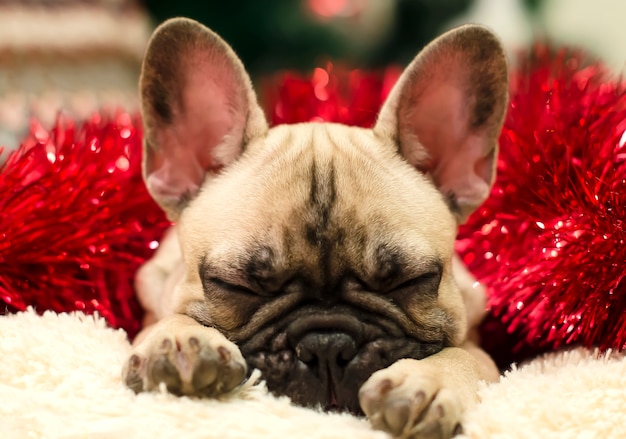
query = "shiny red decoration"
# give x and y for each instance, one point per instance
(550, 241)
(331, 94)
(76, 221)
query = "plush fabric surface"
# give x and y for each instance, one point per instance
(60, 378)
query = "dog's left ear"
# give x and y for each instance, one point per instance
(446, 112)
(199, 111)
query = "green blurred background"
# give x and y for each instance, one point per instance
(298, 34)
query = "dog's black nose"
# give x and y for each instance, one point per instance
(326, 352)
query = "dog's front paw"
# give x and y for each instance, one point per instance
(411, 403)
(189, 360)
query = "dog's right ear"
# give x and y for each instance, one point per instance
(198, 108)
(446, 111)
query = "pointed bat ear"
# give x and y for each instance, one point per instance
(198, 107)
(446, 112)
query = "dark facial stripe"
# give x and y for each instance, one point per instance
(322, 199)
(323, 194)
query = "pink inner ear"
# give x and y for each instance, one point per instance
(209, 122)
(438, 118)
(206, 132)
(437, 114)
(468, 174)
(216, 109)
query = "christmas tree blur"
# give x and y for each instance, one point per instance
(302, 34)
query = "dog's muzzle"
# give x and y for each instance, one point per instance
(321, 359)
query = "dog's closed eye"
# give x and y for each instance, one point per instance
(234, 288)
(262, 289)
(425, 282)
(240, 279)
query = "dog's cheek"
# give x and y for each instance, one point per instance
(434, 322)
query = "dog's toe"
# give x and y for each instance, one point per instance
(132, 373)
(217, 371)
(162, 370)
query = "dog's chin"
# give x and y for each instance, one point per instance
(321, 359)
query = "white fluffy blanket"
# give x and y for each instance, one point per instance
(60, 378)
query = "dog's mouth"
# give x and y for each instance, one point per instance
(321, 359)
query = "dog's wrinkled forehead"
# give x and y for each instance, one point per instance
(337, 190)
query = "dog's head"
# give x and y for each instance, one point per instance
(324, 251)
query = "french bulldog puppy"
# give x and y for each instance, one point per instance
(320, 254)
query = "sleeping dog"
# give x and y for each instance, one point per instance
(320, 254)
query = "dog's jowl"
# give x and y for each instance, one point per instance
(320, 254)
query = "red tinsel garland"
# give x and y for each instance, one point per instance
(76, 221)
(331, 94)
(549, 242)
